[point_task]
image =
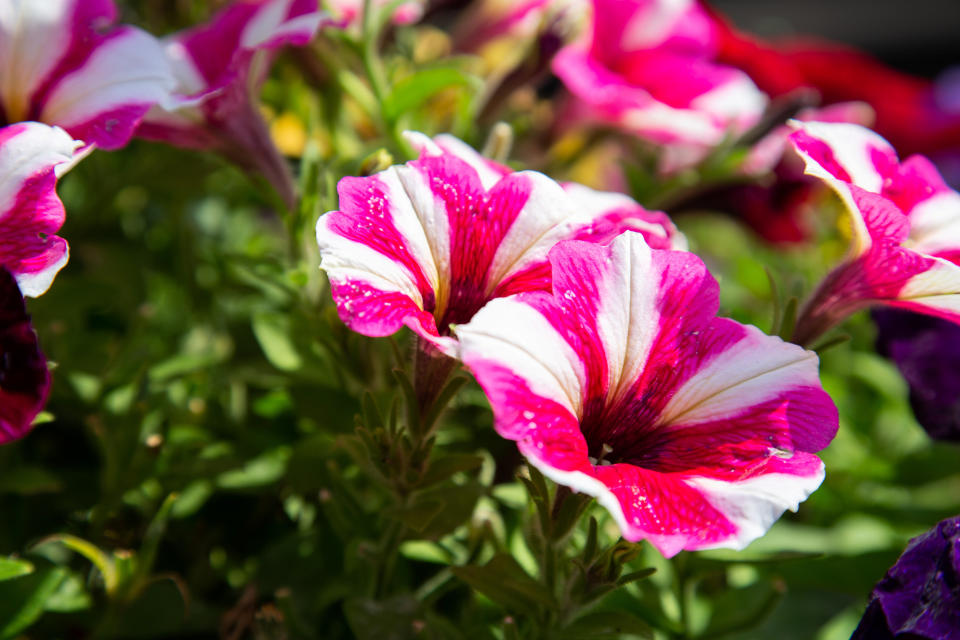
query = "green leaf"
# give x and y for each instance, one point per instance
(14, 568)
(419, 515)
(23, 601)
(445, 466)
(615, 624)
(506, 583)
(412, 91)
(273, 331)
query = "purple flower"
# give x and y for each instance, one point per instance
(926, 350)
(920, 595)
(24, 379)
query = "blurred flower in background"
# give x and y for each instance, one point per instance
(920, 595)
(65, 63)
(220, 67)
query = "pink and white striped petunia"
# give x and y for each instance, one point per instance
(32, 155)
(693, 431)
(603, 206)
(427, 244)
(648, 66)
(62, 62)
(220, 67)
(905, 247)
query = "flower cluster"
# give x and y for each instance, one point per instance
(600, 355)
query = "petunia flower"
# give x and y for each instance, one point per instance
(693, 431)
(220, 67)
(24, 378)
(926, 350)
(64, 63)
(649, 67)
(427, 244)
(919, 598)
(905, 229)
(32, 155)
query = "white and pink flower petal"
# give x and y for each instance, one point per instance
(649, 67)
(434, 233)
(695, 432)
(906, 222)
(61, 63)
(31, 157)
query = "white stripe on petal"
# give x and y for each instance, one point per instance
(421, 218)
(935, 224)
(34, 35)
(36, 148)
(128, 69)
(519, 338)
(754, 505)
(547, 217)
(628, 320)
(753, 370)
(937, 287)
(343, 259)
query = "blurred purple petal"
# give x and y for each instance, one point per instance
(920, 595)
(24, 379)
(926, 350)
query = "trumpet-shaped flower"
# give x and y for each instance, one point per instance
(220, 67)
(905, 228)
(62, 63)
(693, 431)
(649, 67)
(24, 378)
(31, 157)
(427, 244)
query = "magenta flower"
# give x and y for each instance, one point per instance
(31, 157)
(648, 66)
(905, 228)
(62, 63)
(24, 378)
(694, 431)
(220, 67)
(427, 244)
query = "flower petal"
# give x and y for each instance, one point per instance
(30, 210)
(24, 378)
(695, 432)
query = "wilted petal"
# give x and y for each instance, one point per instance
(919, 597)
(24, 379)
(31, 155)
(60, 63)
(695, 432)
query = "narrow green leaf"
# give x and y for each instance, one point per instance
(412, 91)
(14, 568)
(506, 583)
